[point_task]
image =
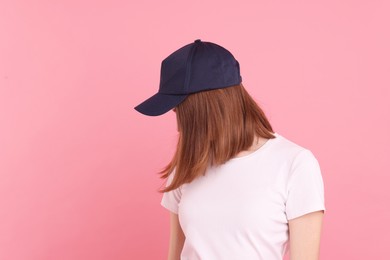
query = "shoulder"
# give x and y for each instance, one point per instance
(288, 149)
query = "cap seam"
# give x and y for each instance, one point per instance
(188, 67)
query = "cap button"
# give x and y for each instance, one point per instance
(197, 41)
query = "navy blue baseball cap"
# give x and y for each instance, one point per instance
(195, 67)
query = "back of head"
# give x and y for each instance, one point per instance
(216, 116)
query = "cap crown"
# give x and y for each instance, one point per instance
(198, 66)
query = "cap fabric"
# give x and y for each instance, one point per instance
(195, 67)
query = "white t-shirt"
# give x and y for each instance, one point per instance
(240, 210)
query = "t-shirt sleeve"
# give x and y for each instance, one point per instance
(170, 200)
(305, 189)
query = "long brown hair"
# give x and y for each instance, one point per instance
(214, 126)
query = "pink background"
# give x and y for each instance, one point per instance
(78, 164)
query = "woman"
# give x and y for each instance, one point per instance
(235, 188)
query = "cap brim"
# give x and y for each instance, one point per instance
(159, 104)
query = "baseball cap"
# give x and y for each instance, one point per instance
(195, 67)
